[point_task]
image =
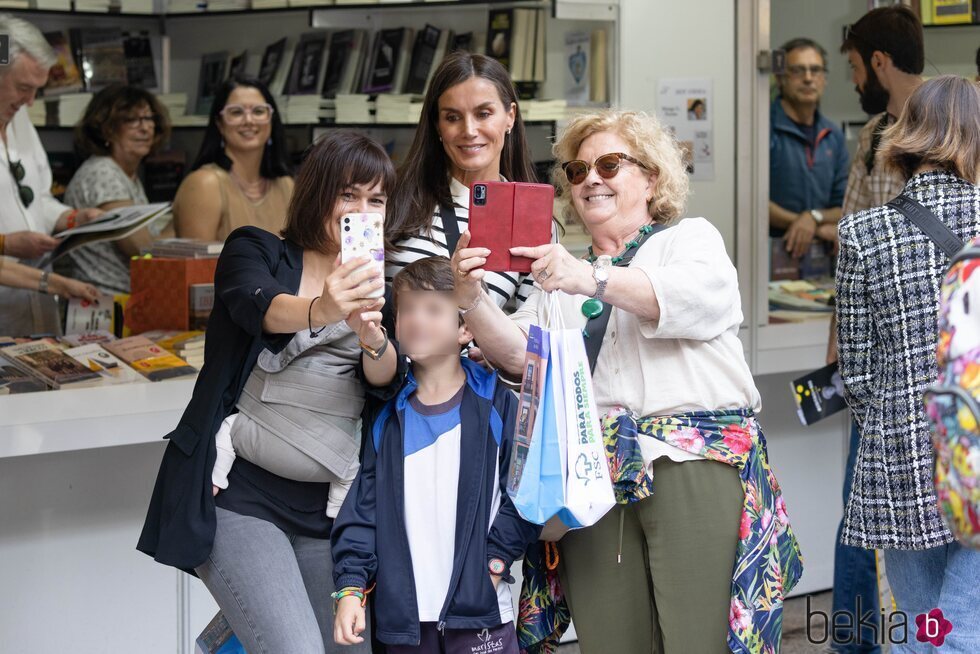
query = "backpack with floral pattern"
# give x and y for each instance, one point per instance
(953, 404)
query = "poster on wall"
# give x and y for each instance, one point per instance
(686, 106)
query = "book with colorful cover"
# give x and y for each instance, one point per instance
(97, 359)
(819, 394)
(48, 362)
(149, 359)
(88, 338)
(64, 76)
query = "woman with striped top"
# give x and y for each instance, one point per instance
(470, 130)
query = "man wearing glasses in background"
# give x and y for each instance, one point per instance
(808, 159)
(29, 214)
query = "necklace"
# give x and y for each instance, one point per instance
(254, 191)
(630, 245)
(592, 308)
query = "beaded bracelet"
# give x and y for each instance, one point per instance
(350, 591)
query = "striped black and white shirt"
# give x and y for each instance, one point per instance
(502, 287)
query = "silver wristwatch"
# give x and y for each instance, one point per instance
(42, 283)
(600, 273)
(817, 215)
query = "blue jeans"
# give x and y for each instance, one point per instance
(945, 577)
(273, 588)
(855, 578)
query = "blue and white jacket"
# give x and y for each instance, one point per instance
(369, 540)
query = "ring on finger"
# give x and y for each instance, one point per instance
(543, 275)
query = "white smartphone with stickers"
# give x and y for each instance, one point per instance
(362, 235)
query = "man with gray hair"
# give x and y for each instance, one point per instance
(29, 214)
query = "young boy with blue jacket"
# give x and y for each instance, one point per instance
(428, 522)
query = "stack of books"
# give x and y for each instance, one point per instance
(354, 108)
(136, 6)
(399, 108)
(188, 345)
(227, 5)
(184, 248)
(97, 6)
(38, 113)
(304, 109)
(544, 109)
(175, 103)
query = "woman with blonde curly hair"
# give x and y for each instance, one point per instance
(698, 554)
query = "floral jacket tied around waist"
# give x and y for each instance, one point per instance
(768, 562)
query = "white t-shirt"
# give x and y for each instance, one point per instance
(432, 451)
(691, 359)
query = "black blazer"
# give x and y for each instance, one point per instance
(254, 267)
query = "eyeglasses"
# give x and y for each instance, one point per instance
(25, 192)
(607, 166)
(137, 121)
(234, 114)
(801, 71)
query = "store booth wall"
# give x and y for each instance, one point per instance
(68, 563)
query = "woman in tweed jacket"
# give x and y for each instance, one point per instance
(888, 297)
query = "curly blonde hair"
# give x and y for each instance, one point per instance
(649, 141)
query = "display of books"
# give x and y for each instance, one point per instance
(306, 71)
(139, 60)
(86, 316)
(802, 295)
(149, 359)
(107, 366)
(47, 362)
(88, 338)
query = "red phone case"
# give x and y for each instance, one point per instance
(514, 214)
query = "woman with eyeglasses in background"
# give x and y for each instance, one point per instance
(242, 175)
(660, 310)
(122, 125)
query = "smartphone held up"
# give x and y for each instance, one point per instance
(362, 235)
(505, 215)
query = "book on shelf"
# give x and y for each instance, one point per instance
(139, 60)
(111, 226)
(52, 5)
(539, 60)
(818, 394)
(64, 76)
(389, 61)
(398, 108)
(214, 68)
(343, 55)
(100, 55)
(354, 108)
(423, 61)
(272, 61)
(306, 71)
(500, 35)
(47, 362)
(85, 316)
(238, 64)
(14, 381)
(475, 42)
(96, 336)
(106, 365)
(599, 71)
(149, 359)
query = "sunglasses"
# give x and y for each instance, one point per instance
(25, 192)
(607, 166)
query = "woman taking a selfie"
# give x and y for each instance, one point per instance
(471, 130)
(285, 310)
